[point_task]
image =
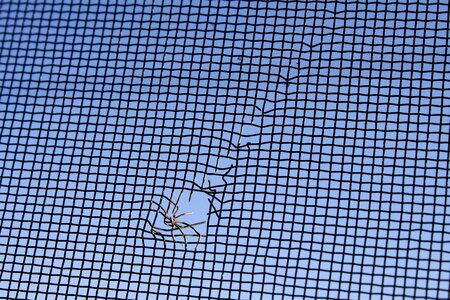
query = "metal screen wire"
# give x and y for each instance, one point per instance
(224, 149)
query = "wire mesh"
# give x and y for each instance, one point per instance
(309, 140)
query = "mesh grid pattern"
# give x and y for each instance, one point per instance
(311, 137)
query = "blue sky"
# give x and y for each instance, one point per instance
(344, 168)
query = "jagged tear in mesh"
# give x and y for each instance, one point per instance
(311, 137)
